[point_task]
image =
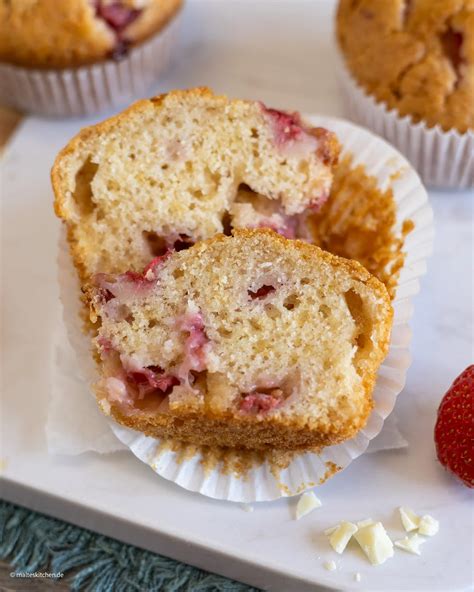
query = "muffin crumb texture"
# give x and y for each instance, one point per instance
(417, 56)
(194, 349)
(182, 167)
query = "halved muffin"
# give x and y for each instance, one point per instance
(248, 341)
(182, 167)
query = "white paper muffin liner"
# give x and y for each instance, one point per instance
(87, 90)
(306, 470)
(443, 159)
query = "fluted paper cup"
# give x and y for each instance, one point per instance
(443, 159)
(87, 90)
(189, 467)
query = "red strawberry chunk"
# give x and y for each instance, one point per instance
(105, 345)
(165, 382)
(148, 379)
(195, 346)
(130, 284)
(133, 276)
(288, 229)
(454, 430)
(116, 15)
(151, 270)
(286, 126)
(152, 376)
(260, 403)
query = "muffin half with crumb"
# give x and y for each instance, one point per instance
(248, 341)
(182, 167)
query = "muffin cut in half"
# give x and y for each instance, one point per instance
(250, 341)
(182, 167)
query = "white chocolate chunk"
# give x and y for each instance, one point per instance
(411, 544)
(429, 526)
(365, 522)
(331, 529)
(105, 406)
(410, 520)
(357, 577)
(330, 565)
(341, 536)
(307, 502)
(375, 543)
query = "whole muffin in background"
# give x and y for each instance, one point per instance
(417, 56)
(69, 58)
(70, 33)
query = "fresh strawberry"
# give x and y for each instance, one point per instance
(454, 430)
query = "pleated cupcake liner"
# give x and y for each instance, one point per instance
(185, 467)
(88, 90)
(443, 159)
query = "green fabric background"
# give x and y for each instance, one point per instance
(34, 542)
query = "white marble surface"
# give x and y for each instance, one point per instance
(279, 52)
